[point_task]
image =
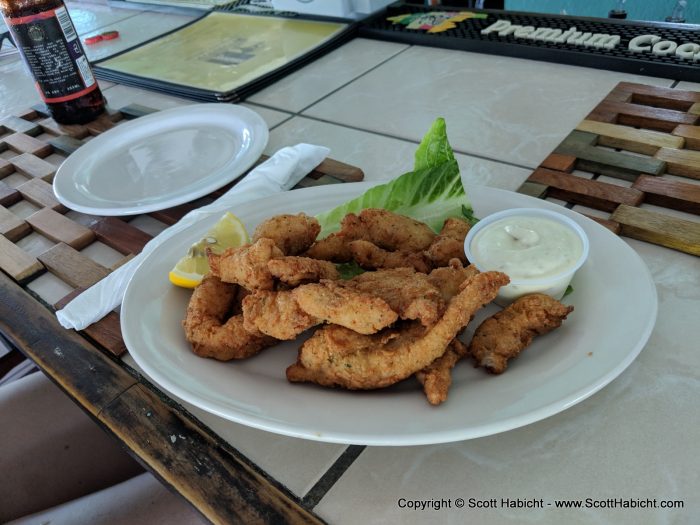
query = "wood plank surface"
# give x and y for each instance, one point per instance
(646, 117)
(643, 141)
(20, 125)
(610, 225)
(615, 164)
(76, 131)
(59, 228)
(683, 162)
(591, 193)
(8, 195)
(214, 477)
(658, 96)
(40, 193)
(71, 266)
(120, 235)
(22, 143)
(11, 226)
(18, 264)
(65, 144)
(659, 228)
(5, 168)
(669, 193)
(691, 135)
(559, 162)
(32, 166)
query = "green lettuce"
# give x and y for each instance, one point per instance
(430, 193)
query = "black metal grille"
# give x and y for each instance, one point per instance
(467, 36)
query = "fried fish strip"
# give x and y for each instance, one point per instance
(293, 234)
(449, 244)
(504, 335)
(409, 293)
(334, 303)
(335, 356)
(448, 279)
(211, 329)
(276, 314)
(436, 378)
(370, 256)
(385, 229)
(294, 271)
(246, 265)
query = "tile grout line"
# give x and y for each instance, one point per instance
(331, 476)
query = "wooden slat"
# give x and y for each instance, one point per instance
(133, 111)
(59, 228)
(33, 166)
(11, 226)
(662, 97)
(695, 109)
(22, 143)
(309, 182)
(610, 225)
(559, 162)
(8, 195)
(658, 228)
(108, 333)
(211, 475)
(638, 140)
(16, 262)
(65, 144)
(102, 123)
(40, 193)
(600, 115)
(691, 135)
(77, 131)
(618, 95)
(5, 168)
(670, 193)
(612, 163)
(339, 170)
(120, 235)
(683, 162)
(533, 189)
(591, 193)
(71, 266)
(645, 116)
(20, 125)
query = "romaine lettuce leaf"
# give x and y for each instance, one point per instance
(430, 193)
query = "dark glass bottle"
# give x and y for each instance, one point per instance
(51, 49)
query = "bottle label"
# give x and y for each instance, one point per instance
(52, 51)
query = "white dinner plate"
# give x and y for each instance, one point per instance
(615, 310)
(161, 160)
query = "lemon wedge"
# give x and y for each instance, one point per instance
(228, 232)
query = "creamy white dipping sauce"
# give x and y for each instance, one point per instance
(525, 247)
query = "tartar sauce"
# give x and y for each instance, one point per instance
(525, 247)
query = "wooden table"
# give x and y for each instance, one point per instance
(216, 479)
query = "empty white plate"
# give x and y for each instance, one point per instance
(161, 160)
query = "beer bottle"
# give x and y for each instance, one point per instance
(51, 49)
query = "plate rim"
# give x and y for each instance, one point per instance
(425, 437)
(73, 162)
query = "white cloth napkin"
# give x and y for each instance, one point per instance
(280, 172)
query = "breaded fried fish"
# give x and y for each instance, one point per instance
(293, 234)
(370, 257)
(276, 314)
(214, 326)
(504, 335)
(436, 378)
(334, 303)
(246, 265)
(449, 244)
(336, 356)
(294, 271)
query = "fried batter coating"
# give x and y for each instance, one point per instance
(449, 244)
(370, 257)
(363, 313)
(385, 229)
(293, 234)
(436, 378)
(504, 335)
(294, 271)
(276, 314)
(335, 356)
(407, 292)
(211, 329)
(448, 279)
(246, 265)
